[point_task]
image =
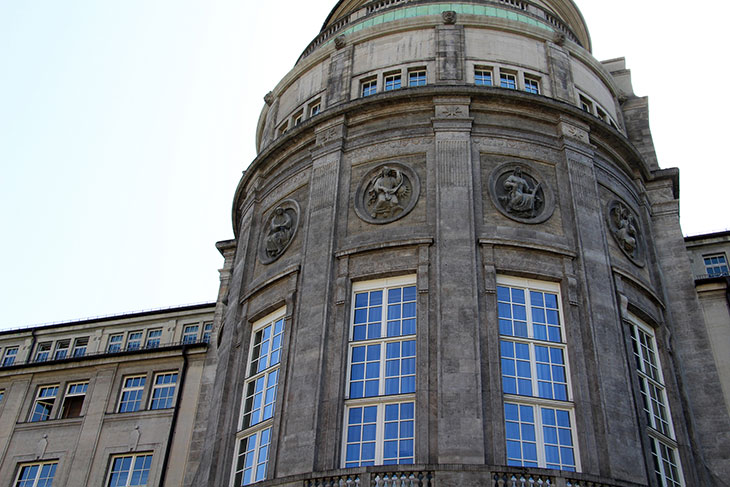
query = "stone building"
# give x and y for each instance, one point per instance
(457, 260)
(107, 401)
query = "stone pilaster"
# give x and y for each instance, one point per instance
(460, 429)
(617, 438)
(297, 452)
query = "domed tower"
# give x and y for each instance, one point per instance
(457, 262)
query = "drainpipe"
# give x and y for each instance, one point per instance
(32, 346)
(175, 413)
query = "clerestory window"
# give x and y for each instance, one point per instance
(716, 265)
(381, 374)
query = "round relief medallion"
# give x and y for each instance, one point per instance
(518, 195)
(624, 226)
(387, 193)
(279, 230)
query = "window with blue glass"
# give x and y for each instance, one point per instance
(716, 265)
(131, 397)
(381, 375)
(163, 390)
(38, 474)
(368, 87)
(535, 375)
(483, 76)
(259, 399)
(130, 470)
(43, 404)
(392, 81)
(417, 77)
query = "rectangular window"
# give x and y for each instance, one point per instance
(315, 108)
(381, 363)
(10, 355)
(130, 470)
(36, 474)
(207, 331)
(537, 411)
(80, 346)
(259, 401)
(131, 397)
(283, 128)
(2, 395)
(392, 82)
(43, 405)
(716, 265)
(298, 117)
(61, 351)
(73, 401)
(585, 104)
(163, 390)
(667, 468)
(602, 115)
(190, 334)
(417, 77)
(508, 80)
(153, 338)
(483, 77)
(369, 87)
(532, 85)
(115, 343)
(43, 352)
(134, 340)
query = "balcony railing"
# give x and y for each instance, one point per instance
(107, 352)
(378, 6)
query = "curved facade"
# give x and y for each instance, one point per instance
(456, 261)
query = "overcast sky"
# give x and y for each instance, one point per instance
(125, 125)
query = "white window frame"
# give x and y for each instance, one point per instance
(298, 118)
(395, 78)
(381, 400)
(134, 457)
(115, 343)
(70, 394)
(124, 388)
(21, 466)
(43, 352)
(169, 385)
(49, 400)
(649, 372)
(713, 265)
(510, 77)
(185, 334)
(529, 80)
(207, 332)
(483, 69)
(315, 107)
(369, 84)
(135, 339)
(81, 345)
(417, 71)
(149, 338)
(262, 427)
(62, 346)
(534, 400)
(11, 353)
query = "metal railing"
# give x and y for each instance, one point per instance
(377, 6)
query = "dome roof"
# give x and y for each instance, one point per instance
(566, 10)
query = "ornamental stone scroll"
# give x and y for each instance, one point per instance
(387, 193)
(624, 226)
(279, 230)
(519, 195)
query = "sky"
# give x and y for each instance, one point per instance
(125, 126)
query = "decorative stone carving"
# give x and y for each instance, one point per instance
(340, 42)
(386, 193)
(520, 196)
(559, 38)
(269, 98)
(624, 226)
(449, 17)
(279, 230)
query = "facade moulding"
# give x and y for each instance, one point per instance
(564, 251)
(384, 245)
(268, 280)
(644, 286)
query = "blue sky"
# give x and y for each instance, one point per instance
(124, 128)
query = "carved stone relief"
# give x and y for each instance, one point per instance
(519, 195)
(279, 230)
(449, 17)
(387, 193)
(624, 226)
